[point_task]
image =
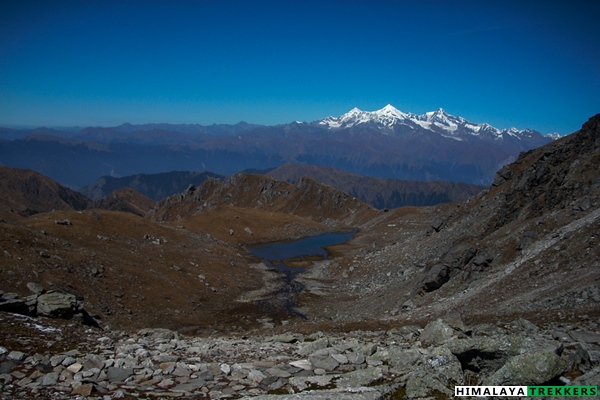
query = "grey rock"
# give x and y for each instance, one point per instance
(274, 371)
(404, 358)
(325, 362)
(355, 358)
(531, 368)
(337, 394)
(304, 364)
(256, 376)
(585, 336)
(283, 338)
(421, 386)
(58, 305)
(35, 288)
(49, 379)
(446, 366)
(57, 359)
(311, 347)
(340, 358)
(16, 355)
(115, 374)
(435, 277)
(189, 386)
(525, 325)
(181, 370)
(93, 361)
(436, 333)
(360, 377)
(158, 333)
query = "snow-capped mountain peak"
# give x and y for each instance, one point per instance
(385, 117)
(390, 120)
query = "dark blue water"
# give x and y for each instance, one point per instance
(310, 246)
(272, 254)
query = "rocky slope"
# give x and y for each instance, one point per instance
(45, 358)
(525, 246)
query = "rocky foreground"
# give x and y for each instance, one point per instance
(59, 359)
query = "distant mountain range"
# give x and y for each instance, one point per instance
(387, 143)
(153, 186)
(379, 192)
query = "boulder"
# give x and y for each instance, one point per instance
(360, 377)
(437, 275)
(57, 304)
(436, 333)
(534, 367)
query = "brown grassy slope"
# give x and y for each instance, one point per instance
(131, 271)
(126, 200)
(26, 192)
(307, 199)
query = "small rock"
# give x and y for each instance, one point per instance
(83, 390)
(49, 379)
(35, 288)
(74, 368)
(16, 355)
(326, 362)
(118, 374)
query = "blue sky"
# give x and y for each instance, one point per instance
(528, 64)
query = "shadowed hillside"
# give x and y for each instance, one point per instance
(26, 192)
(306, 198)
(154, 186)
(379, 192)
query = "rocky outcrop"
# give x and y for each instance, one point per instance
(57, 304)
(53, 304)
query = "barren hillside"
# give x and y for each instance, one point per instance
(527, 245)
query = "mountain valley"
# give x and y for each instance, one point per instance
(517, 262)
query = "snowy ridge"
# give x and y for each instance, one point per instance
(391, 120)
